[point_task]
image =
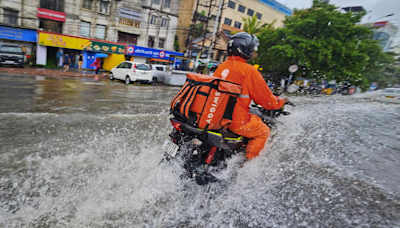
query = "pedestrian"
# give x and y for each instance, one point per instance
(67, 62)
(80, 62)
(58, 56)
(76, 60)
(97, 64)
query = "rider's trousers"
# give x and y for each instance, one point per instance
(257, 132)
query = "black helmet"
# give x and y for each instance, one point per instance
(243, 44)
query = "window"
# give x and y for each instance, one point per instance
(164, 22)
(10, 49)
(142, 67)
(127, 38)
(227, 32)
(231, 4)
(87, 4)
(101, 32)
(238, 24)
(241, 8)
(122, 65)
(160, 68)
(156, 2)
(259, 15)
(85, 29)
(153, 19)
(10, 17)
(167, 3)
(103, 7)
(228, 21)
(128, 65)
(150, 42)
(161, 43)
(56, 5)
(250, 12)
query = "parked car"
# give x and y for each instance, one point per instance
(11, 55)
(132, 72)
(159, 72)
(390, 95)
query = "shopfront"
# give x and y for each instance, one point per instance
(50, 43)
(25, 38)
(149, 55)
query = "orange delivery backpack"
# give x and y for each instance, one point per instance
(206, 102)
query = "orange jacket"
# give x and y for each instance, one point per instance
(254, 87)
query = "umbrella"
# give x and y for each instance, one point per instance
(100, 55)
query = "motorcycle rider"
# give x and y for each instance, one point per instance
(254, 87)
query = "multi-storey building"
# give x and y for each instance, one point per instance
(267, 11)
(70, 25)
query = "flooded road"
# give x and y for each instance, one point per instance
(79, 153)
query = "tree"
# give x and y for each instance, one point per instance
(325, 44)
(254, 26)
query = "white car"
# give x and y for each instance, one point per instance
(390, 95)
(159, 72)
(132, 72)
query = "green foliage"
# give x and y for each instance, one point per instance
(325, 44)
(254, 26)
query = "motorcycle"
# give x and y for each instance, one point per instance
(203, 153)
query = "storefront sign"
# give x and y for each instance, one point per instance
(54, 40)
(129, 22)
(150, 52)
(51, 14)
(105, 47)
(380, 24)
(17, 34)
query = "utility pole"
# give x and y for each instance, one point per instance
(216, 26)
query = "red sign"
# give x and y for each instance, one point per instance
(51, 14)
(380, 24)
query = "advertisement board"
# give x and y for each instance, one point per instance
(54, 40)
(105, 47)
(51, 14)
(17, 34)
(150, 52)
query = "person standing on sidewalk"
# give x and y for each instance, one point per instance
(58, 57)
(76, 60)
(80, 62)
(67, 62)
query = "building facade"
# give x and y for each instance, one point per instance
(145, 23)
(385, 32)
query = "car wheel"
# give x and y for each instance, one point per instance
(111, 76)
(155, 81)
(127, 80)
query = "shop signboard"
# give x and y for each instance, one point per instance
(17, 34)
(150, 52)
(98, 46)
(51, 14)
(54, 40)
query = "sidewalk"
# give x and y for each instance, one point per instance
(52, 72)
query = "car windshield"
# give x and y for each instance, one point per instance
(391, 91)
(142, 67)
(11, 49)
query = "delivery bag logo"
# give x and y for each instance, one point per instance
(210, 115)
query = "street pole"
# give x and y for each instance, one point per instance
(214, 32)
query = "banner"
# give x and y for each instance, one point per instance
(17, 34)
(105, 47)
(51, 14)
(150, 52)
(53, 40)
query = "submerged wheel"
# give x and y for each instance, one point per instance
(111, 76)
(127, 80)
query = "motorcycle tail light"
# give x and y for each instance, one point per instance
(176, 125)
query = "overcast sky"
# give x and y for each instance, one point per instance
(375, 8)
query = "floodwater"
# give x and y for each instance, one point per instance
(79, 153)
